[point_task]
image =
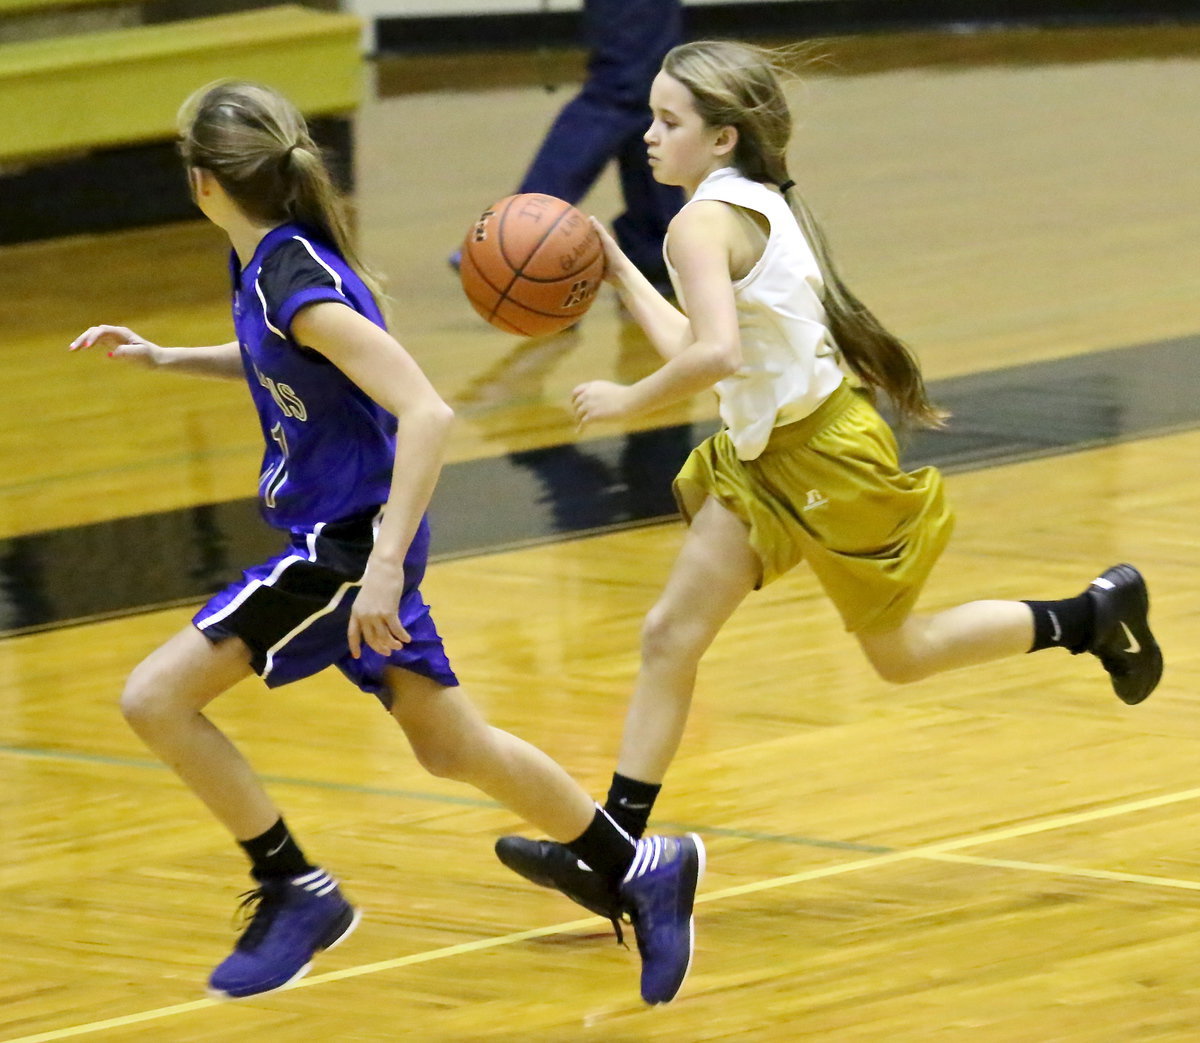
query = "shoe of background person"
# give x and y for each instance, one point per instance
(658, 893)
(1122, 640)
(290, 921)
(549, 864)
(455, 260)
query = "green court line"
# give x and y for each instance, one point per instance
(110, 760)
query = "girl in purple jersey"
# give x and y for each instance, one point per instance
(355, 437)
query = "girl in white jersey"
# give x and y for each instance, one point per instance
(805, 468)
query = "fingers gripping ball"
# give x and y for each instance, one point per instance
(532, 264)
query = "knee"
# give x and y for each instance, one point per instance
(897, 667)
(448, 752)
(447, 734)
(443, 760)
(145, 700)
(665, 636)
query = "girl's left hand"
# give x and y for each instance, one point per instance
(373, 619)
(600, 400)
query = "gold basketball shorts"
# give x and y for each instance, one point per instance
(828, 489)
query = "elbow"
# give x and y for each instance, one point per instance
(432, 415)
(441, 415)
(726, 360)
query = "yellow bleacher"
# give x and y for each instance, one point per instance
(81, 91)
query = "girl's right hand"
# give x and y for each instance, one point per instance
(121, 342)
(615, 261)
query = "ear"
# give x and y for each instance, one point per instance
(201, 181)
(725, 141)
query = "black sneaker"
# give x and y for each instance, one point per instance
(549, 864)
(1122, 640)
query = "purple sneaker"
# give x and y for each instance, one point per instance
(658, 893)
(290, 921)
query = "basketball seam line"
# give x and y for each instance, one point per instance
(517, 272)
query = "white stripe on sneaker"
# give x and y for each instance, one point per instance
(658, 849)
(636, 867)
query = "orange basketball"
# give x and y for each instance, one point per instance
(531, 264)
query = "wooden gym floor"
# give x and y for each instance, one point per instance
(1001, 854)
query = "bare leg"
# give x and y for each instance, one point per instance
(976, 632)
(714, 572)
(162, 702)
(452, 740)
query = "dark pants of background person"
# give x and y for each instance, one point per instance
(626, 41)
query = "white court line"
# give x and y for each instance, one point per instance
(939, 851)
(1070, 871)
(944, 846)
(315, 979)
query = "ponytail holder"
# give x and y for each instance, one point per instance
(786, 186)
(288, 154)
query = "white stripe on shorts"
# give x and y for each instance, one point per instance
(311, 540)
(249, 589)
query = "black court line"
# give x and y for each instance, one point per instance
(66, 576)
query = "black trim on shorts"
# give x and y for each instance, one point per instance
(269, 613)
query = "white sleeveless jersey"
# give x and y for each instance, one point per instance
(789, 360)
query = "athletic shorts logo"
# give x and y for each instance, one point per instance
(813, 500)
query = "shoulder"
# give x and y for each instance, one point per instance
(703, 222)
(300, 264)
(302, 257)
(702, 217)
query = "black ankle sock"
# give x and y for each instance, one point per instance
(630, 803)
(1069, 623)
(275, 853)
(605, 847)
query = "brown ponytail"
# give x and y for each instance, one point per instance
(257, 145)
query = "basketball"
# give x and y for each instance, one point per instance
(531, 264)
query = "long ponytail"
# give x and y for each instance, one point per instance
(880, 359)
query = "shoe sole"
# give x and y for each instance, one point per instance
(229, 997)
(701, 862)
